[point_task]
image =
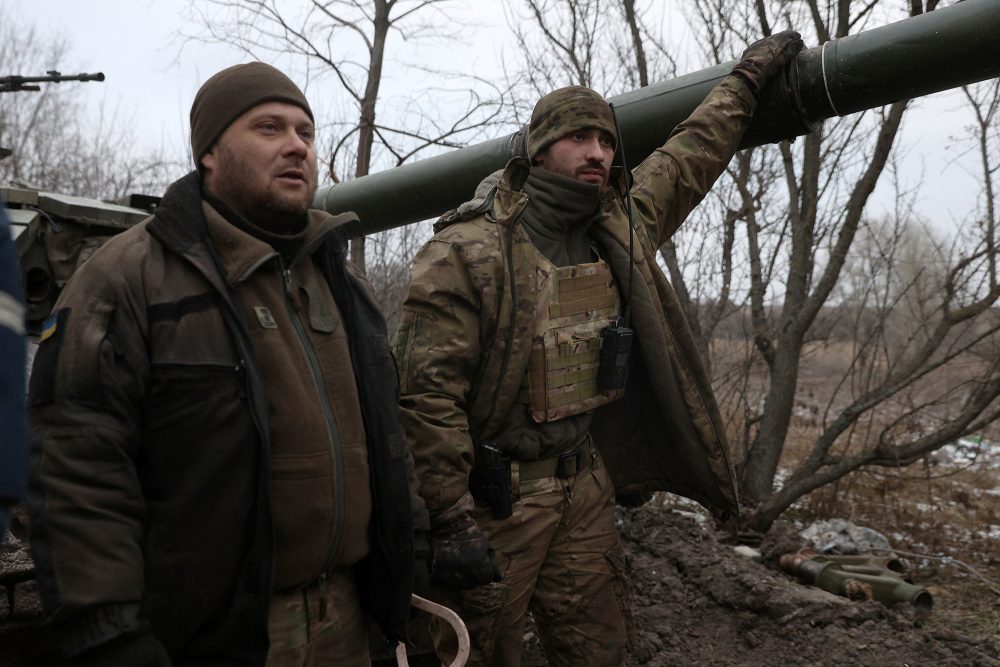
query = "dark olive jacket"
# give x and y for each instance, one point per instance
(150, 446)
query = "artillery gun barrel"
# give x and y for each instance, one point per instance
(949, 47)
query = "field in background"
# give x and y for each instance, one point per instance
(946, 506)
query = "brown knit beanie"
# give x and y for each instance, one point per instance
(229, 94)
(565, 110)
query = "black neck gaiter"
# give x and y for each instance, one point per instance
(559, 215)
(284, 244)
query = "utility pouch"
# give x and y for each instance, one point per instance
(568, 464)
(489, 481)
(612, 369)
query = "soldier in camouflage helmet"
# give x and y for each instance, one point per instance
(513, 304)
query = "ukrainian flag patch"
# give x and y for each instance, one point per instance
(49, 327)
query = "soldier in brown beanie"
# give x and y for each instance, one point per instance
(547, 370)
(219, 473)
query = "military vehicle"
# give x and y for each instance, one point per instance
(55, 233)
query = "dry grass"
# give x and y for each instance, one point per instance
(935, 509)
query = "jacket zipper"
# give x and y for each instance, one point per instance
(324, 398)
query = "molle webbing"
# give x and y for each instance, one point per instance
(576, 304)
(582, 293)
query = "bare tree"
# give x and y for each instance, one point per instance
(829, 179)
(783, 261)
(325, 37)
(569, 43)
(607, 46)
(56, 143)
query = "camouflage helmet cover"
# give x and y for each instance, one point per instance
(564, 110)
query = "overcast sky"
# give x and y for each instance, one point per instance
(132, 42)
(135, 44)
(155, 73)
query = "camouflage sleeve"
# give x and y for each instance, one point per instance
(677, 176)
(437, 348)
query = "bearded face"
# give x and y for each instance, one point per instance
(583, 155)
(264, 165)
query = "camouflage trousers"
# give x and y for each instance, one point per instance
(562, 560)
(320, 624)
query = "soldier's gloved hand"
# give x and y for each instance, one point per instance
(766, 57)
(462, 557)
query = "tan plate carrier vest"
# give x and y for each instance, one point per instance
(575, 303)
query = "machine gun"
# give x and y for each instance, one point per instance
(15, 84)
(858, 577)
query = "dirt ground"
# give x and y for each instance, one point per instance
(696, 601)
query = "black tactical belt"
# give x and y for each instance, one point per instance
(564, 466)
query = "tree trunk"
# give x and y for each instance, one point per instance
(366, 123)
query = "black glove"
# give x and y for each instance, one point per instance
(768, 56)
(134, 650)
(462, 556)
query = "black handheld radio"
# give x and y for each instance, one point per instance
(612, 369)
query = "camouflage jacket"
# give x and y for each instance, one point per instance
(466, 332)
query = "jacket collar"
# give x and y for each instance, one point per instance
(178, 221)
(180, 224)
(240, 253)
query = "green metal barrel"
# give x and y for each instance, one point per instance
(857, 582)
(946, 48)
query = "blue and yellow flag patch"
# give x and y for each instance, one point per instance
(49, 327)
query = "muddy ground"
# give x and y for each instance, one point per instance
(695, 602)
